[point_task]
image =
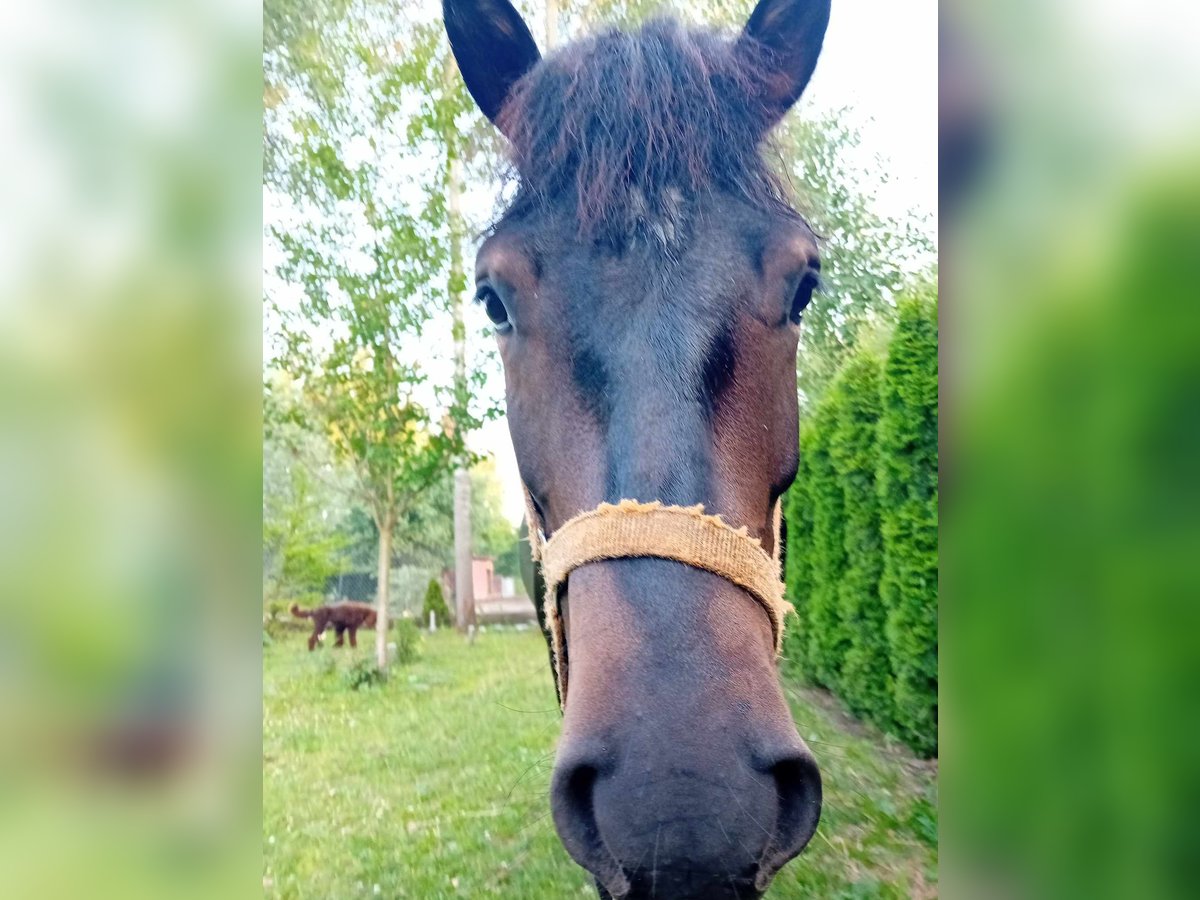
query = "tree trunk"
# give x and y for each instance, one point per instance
(464, 594)
(382, 592)
(464, 587)
(551, 25)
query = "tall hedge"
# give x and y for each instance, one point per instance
(908, 491)
(861, 565)
(866, 677)
(827, 641)
(798, 574)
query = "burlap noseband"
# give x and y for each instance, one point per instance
(685, 534)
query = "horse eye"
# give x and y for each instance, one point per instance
(494, 307)
(803, 296)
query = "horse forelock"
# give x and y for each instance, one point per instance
(629, 129)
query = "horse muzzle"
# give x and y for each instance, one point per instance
(682, 820)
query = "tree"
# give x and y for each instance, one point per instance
(867, 260)
(908, 491)
(363, 265)
(303, 55)
(862, 531)
(361, 399)
(442, 125)
(357, 106)
(421, 537)
(866, 670)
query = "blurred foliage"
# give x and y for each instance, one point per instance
(130, 440)
(1069, 510)
(862, 556)
(1071, 533)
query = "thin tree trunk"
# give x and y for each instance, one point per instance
(464, 587)
(382, 592)
(551, 25)
(464, 594)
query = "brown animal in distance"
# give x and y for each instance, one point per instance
(343, 617)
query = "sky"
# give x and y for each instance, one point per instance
(879, 62)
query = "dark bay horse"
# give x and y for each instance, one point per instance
(647, 284)
(345, 616)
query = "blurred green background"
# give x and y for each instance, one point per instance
(129, 448)
(1071, 436)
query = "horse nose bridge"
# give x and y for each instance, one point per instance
(659, 448)
(658, 437)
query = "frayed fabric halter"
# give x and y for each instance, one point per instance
(685, 534)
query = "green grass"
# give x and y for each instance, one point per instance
(433, 785)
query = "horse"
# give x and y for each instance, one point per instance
(346, 616)
(646, 284)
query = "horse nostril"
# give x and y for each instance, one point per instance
(577, 802)
(572, 792)
(798, 788)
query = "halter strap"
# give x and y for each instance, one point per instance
(684, 534)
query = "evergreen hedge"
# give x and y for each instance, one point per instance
(798, 575)
(827, 638)
(861, 564)
(866, 668)
(908, 490)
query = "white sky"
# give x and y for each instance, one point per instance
(880, 62)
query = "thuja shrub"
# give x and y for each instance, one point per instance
(435, 602)
(866, 678)
(907, 474)
(827, 642)
(797, 510)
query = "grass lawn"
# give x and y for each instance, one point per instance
(434, 784)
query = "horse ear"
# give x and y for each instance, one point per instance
(493, 47)
(791, 31)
